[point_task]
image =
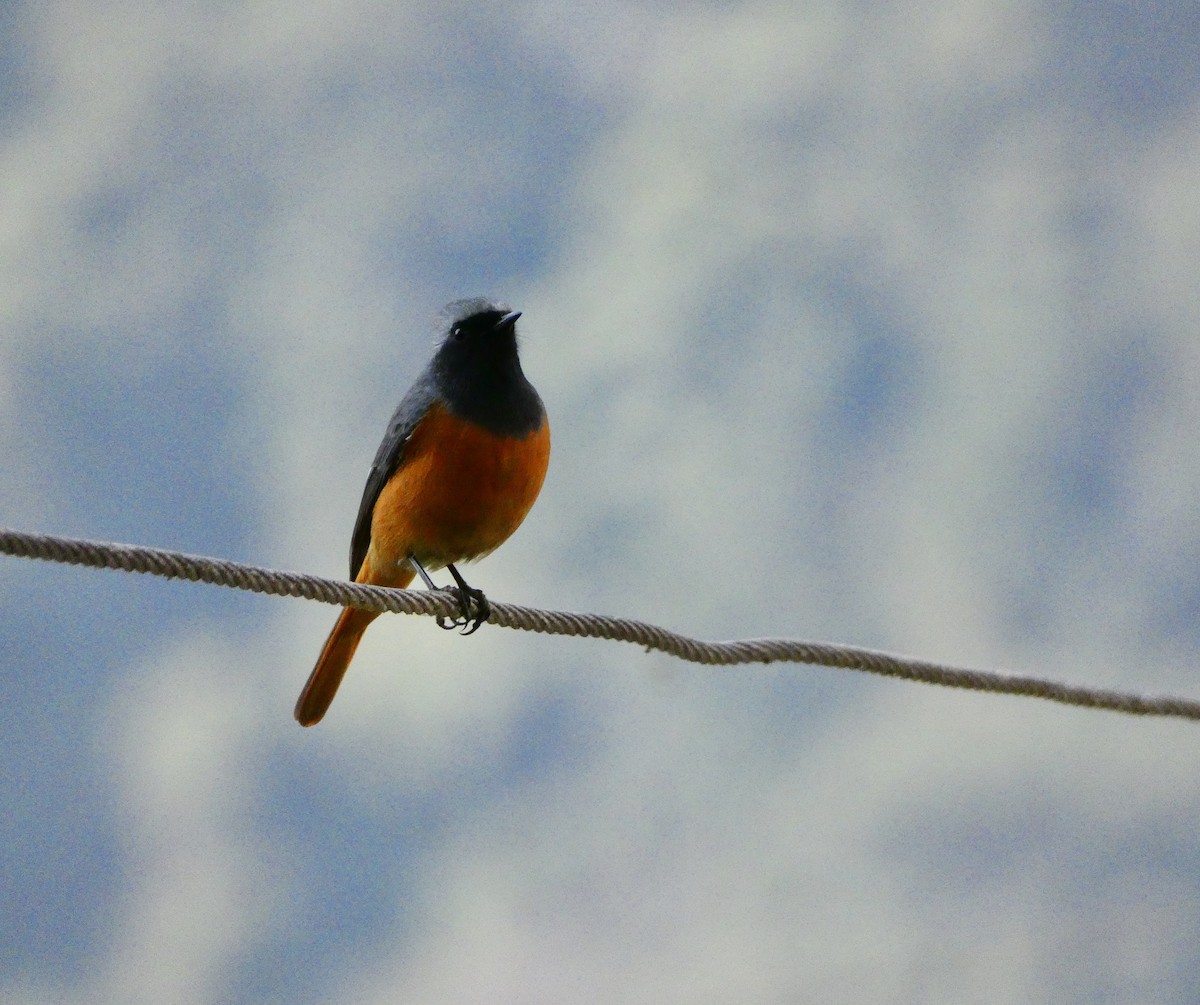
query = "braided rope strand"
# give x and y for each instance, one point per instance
(220, 572)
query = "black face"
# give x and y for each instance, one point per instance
(479, 374)
(477, 327)
(481, 345)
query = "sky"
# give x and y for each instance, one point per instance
(870, 323)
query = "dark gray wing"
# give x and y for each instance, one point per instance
(388, 458)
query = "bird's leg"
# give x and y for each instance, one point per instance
(442, 621)
(473, 604)
(470, 598)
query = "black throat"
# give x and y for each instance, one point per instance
(481, 380)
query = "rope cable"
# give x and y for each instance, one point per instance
(220, 572)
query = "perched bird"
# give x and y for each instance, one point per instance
(461, 464)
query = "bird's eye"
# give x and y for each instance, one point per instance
(458, 333)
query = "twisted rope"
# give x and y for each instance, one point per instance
(218, 572)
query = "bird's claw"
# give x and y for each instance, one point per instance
(473, 606)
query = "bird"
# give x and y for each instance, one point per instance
(461, 464)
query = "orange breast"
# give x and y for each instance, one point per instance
(459, 493)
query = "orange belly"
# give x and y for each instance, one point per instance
(459, 493)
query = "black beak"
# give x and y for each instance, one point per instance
(508, 320)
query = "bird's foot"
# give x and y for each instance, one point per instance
(473, 606)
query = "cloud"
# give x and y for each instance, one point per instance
(881, 343)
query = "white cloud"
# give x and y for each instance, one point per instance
(764, 200)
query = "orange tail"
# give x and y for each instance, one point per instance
(323, 683)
